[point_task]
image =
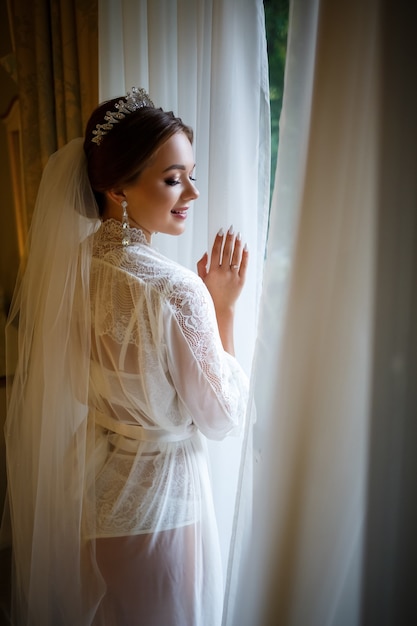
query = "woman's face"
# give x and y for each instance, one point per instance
(159, 200)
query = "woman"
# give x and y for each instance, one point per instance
(125, 366)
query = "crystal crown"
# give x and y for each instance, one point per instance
(134, 100)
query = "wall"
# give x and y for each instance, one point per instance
(9, 256)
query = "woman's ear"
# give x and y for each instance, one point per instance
(112, 208)
(115, 195)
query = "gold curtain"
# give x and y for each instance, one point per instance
(56, 48)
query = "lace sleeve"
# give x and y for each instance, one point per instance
(209, 381)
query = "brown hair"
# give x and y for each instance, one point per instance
(126, 149)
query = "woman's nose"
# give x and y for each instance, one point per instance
(191, 192)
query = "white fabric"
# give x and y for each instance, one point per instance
(110, 529)
(46, 426)
(158, 364)
(312, 370)
(207, 61)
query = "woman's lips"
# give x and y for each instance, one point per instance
(180, 212)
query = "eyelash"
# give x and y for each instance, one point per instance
(172, 182)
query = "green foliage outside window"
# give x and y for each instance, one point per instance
(276, 22)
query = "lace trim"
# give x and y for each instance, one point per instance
(112, 230)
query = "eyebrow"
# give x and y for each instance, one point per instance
(176, 166)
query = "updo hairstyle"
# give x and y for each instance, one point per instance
(126, 149)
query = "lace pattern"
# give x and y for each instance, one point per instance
(142, 493)
(157, 361)
(111, 235)
(165, 282)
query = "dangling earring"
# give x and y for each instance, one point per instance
(125, 225)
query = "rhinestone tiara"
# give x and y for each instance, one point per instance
(134, 100)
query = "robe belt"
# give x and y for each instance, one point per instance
(139, 433)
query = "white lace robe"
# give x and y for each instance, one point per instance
(160, 383)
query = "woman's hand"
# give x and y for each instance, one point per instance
(224, 278)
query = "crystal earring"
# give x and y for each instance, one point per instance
(125, 225)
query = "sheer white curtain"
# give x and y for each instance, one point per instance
(333, 540)
(205, 60)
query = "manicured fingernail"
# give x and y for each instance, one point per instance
(239, 236)
(246, 249)
(230, 231)
(220, 233)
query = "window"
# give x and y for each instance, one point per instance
(276, 23)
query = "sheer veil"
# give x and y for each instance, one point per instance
(46, 428)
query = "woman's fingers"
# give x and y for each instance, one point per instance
(227, 250)
(216, 252)
(228, 247)
(202, 266)
(228, 263)
(244, 262)
(225, 275)
(236, 252)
